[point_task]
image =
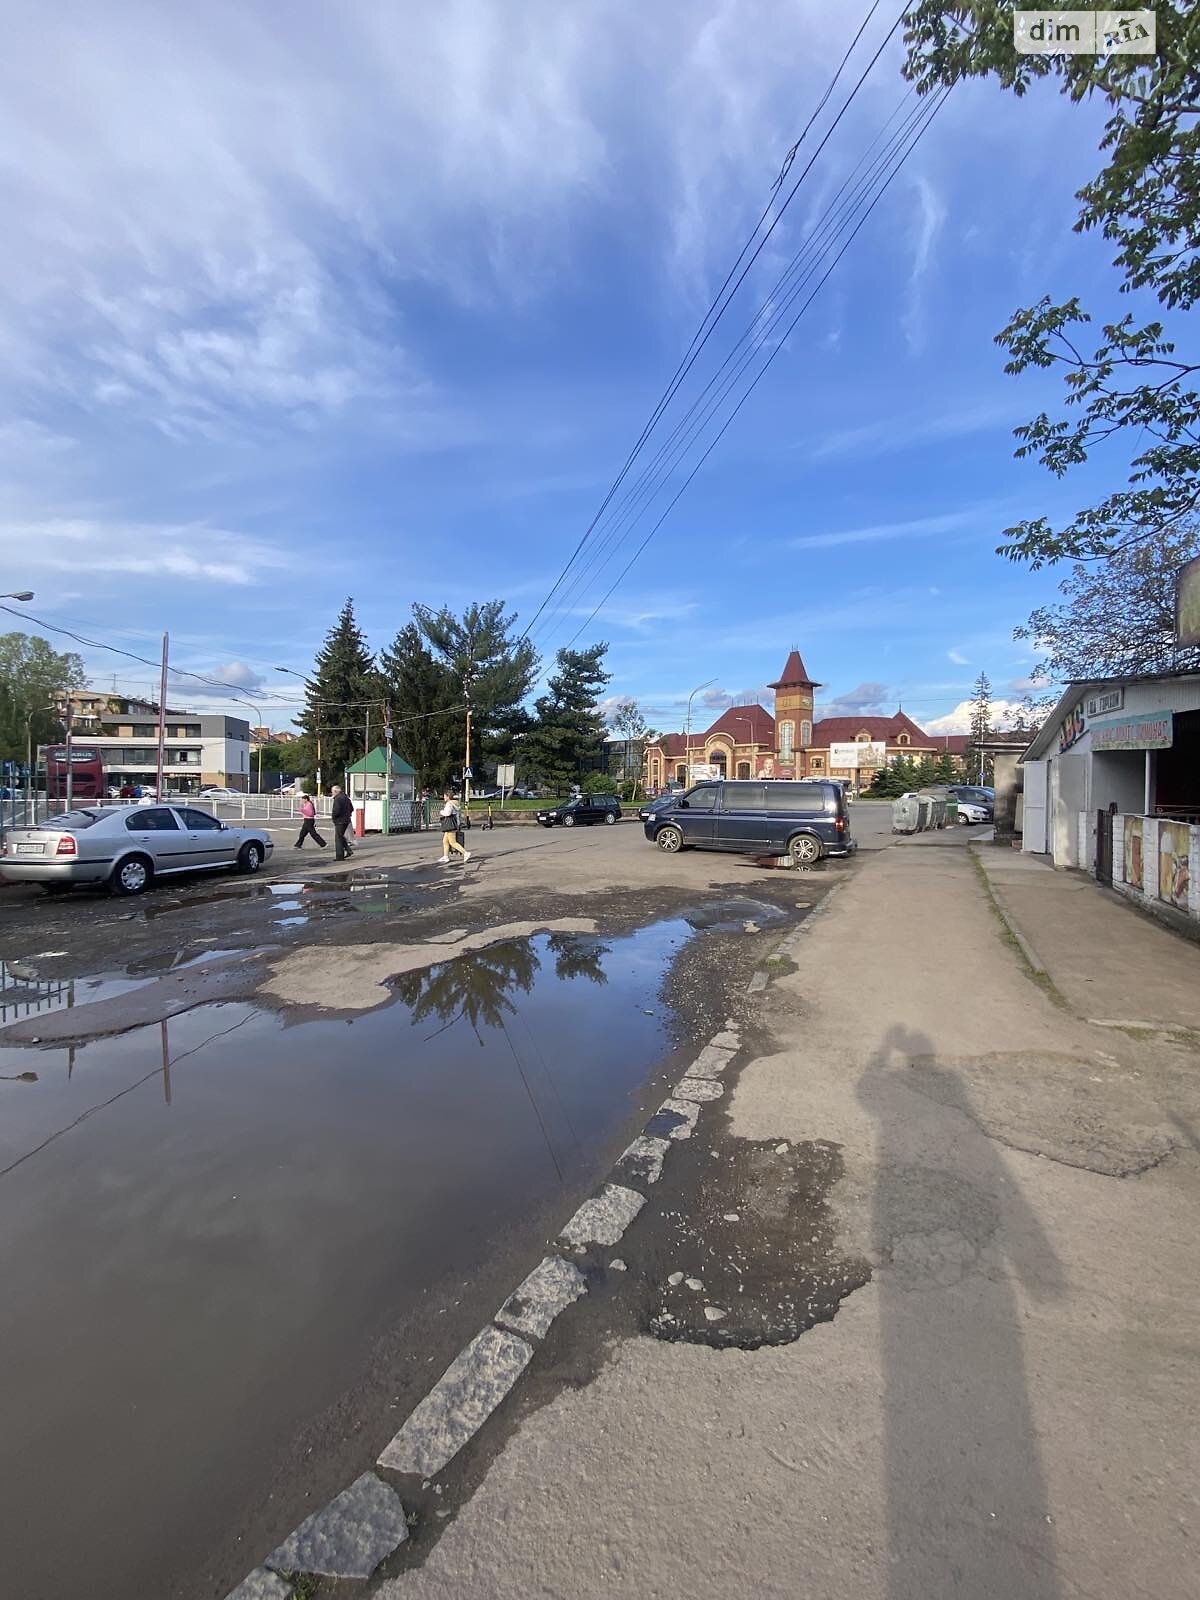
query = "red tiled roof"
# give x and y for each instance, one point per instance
(956, 743)
(671, 744)
(844, 730)
(794, 673)
(744, 725)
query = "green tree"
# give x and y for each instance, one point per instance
(489, 666)
(946, 769)
(33, 678)
(342, 692)
(427, 710)
(979, 766)
(926, 772)
(568, 731)
(1118, 615)
(1132, 389)
(628, 722)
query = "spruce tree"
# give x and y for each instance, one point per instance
(342, 692)
(427, 710)
(946, 770)
(979, 769)
(487, 664)
(568, 732)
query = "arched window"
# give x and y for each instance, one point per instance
(681, 773)
(902, 738)
(787, 736)
(718, 759)
(862, 738)
(805, 734)
(743, 770)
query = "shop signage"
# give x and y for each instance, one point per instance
(1154, 730)
(1106, 700)
(1071, 729)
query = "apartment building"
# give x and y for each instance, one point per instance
(201, 747)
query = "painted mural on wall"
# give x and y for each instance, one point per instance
(1133, 851)
(1173, 839)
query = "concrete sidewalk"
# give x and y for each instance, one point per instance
(1109, 961)
(1007, 1410)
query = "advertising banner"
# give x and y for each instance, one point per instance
(858, 755)
(1133, 852)
(1173, 841)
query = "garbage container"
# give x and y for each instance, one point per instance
(905, 814)
(937, 812)
(924, 805)
(951, 812)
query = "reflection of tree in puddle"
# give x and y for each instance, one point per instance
(577, 958)
(478, 987)
(475, 987)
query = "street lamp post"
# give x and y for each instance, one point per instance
(19, 594)
(292, 673)
(687, 741)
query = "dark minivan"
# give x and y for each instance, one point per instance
(805, 820)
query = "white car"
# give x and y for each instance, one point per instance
(215, 793)
(969, 812)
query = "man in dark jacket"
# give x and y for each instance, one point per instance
(343, 816)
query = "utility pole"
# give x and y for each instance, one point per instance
(67, 725)
(687, 742)
(468, 681)
(162, 718)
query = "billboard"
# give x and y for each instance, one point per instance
(858, 755)
(1187, 603)
(703, 772)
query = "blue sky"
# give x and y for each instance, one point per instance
(373, 300)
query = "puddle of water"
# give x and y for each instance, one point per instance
(175, 960)
(290, 922)
(206, 1224)
(23, 994)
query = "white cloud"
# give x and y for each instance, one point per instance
(929, 217)
(867, 698)
(1030, 685)
(913, 528)
(902, 431)
(1003, 713)
(958, 658)
(186, 553)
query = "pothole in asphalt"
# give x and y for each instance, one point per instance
(753, 1259)
(731, 916)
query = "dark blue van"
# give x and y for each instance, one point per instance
(804, 820)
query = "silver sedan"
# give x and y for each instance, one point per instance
(127, 847)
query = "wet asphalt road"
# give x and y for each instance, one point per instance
(236, 1249)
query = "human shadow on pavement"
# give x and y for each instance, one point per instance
(967, 1511)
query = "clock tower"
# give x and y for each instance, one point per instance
(793, 715)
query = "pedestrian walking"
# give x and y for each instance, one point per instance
(450, 827)
(308, 823)
(343, 815)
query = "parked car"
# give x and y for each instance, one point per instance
(649, 807)
(970, 811)
(213, 791)
(127, 847)
(976, 795)
(805, 820)
(582, 811)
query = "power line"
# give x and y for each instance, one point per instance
(701, 336)
(935, 106)
(179, 672)
(655, 475)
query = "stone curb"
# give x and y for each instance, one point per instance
(761, 977)
(366, 1523)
